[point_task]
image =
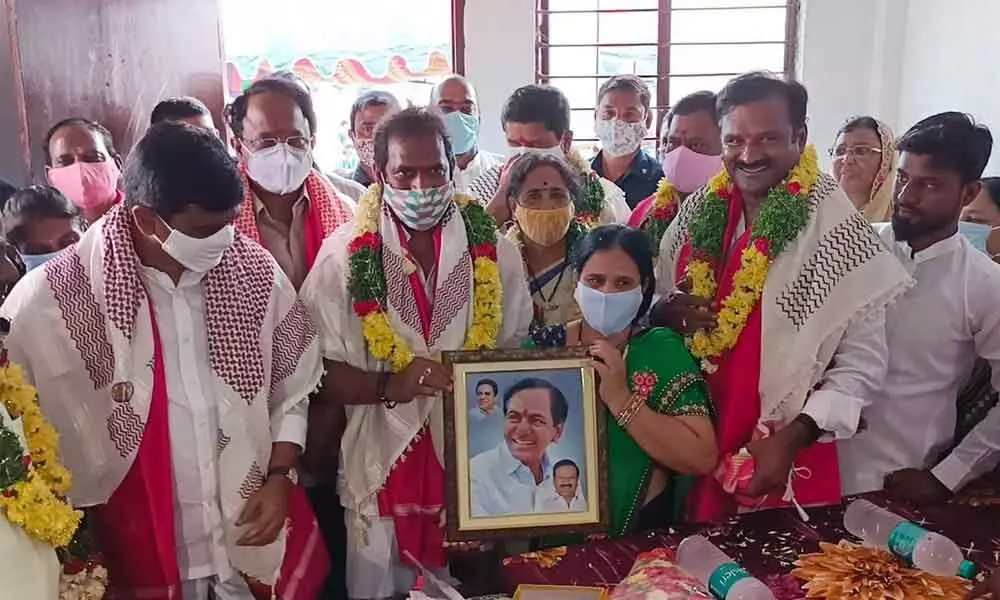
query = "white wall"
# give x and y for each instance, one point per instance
(499, 58)
(952, 62)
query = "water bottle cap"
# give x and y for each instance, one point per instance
(967, 570)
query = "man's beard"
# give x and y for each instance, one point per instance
(905, 230)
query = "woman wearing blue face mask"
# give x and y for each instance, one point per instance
(40, 222)
(660, 431)
(980, 222)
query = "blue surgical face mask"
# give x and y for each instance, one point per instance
(608, 313)
(463, 130)
(33, 261)
(976, 233)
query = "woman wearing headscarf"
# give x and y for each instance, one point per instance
(864, 159)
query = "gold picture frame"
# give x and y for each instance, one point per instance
(559, 592)
(510, 469)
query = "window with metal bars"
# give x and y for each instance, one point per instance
(676, 46)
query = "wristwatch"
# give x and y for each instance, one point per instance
(383, 383)
(289, 473)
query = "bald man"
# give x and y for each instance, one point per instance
(456, 99)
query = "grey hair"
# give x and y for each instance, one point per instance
(531, 161)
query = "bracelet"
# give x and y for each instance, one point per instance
(383, 383)
(288, 473)
(630, 411)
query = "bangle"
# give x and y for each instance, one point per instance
(383, 383)
(630, 411)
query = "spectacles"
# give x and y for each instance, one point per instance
(842, 152)
(296, 141)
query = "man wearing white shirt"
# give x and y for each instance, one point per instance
(506, 479)
(937, 330)
(194, 359)
(456, 99)
(562, 492)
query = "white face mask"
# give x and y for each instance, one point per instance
(556, 151)
(199, 255)
(280, 169)
(618, 137)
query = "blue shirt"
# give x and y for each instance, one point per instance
(502, 485)
(641, 179)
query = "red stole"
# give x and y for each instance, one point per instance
(135, 529)
(413, 495)
(734, 389)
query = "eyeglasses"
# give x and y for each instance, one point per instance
(296, 141)
(842, 152)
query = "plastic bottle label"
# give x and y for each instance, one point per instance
(903, 540)
(724, 577)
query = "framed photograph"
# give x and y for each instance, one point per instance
(559, 592)
(525, 445)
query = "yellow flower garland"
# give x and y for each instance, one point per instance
(36, 504)
(749, 280)
(384, 343)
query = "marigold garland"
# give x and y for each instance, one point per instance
(662, 211)
(784, 213)
(368, 287)
(36, 503)
(593, 204)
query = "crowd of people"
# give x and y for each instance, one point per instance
(218, 329)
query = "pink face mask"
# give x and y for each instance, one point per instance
(87, 185)
(687, 170)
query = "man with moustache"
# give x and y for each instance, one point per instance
(911, 422)
(505, 480)
(781, 287)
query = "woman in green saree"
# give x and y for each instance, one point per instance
(660, 431)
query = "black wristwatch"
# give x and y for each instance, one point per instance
(383, 383)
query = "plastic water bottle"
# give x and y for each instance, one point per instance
(725, 579)
(925, 550)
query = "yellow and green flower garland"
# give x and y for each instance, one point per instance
(589, 210)
(368, 287)
(32, 494)
(784, 213)
(662, 212)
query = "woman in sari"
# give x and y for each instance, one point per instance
(543, 193)
(864, 164)
(660, 431)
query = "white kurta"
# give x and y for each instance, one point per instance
(193, 414)
(482, 162)
(935, 333)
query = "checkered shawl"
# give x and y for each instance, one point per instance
(836, 272)
(81, 327)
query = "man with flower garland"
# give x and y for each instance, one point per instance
(780, 287)
(421, 270)
(536, 120)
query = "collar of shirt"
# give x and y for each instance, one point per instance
(153, 276)
(361, 176)
(911, 259)
(512, 466)
(261, 208)
(639, 181)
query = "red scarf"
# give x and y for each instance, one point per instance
(413, 496)
(135, 529)
(734, 390)
(327, 211)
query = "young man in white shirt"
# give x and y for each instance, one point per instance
(937, 330)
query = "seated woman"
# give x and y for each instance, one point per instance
(40, 222)
(660, 431)
(543, 191)
(864, 164)
(82, 163)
